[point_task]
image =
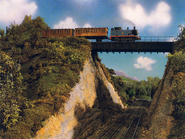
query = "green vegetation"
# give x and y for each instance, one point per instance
(37, 75)
(143, 89)
(177, 60)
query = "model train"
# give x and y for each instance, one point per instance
(117, 33)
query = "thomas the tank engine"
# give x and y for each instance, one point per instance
(118, 34)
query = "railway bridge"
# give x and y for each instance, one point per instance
(146, 44)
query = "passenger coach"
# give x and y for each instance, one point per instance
(57, 33)
(92, 33)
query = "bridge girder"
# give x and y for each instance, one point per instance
(132, 47)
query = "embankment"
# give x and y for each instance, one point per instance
(92, 102)
(166, 112)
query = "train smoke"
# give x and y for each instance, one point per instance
(129, 22)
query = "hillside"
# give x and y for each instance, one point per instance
(46, 83)
(123, 74)
(167, 109)
(37, 76)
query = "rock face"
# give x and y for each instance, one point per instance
(92, 101)
(161, 108)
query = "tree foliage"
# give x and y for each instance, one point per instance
(143, 89)
(37, 75)
(182, 32)
(29, 30)
(11, 91)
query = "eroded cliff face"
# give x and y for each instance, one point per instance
(92, 102)
(161, 107)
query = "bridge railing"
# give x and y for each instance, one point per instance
(156, 39)
(146, 39)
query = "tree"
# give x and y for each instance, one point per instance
(11, 91)
(111, 71)
(2, 33)
(28, 30)
(182, 31)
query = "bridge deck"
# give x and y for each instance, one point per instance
(132, 46)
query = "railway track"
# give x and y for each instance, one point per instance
(125, 127)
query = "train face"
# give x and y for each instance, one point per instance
(92, 33)
(118, 34)
(58, 32)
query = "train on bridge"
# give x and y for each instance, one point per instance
(99, 33)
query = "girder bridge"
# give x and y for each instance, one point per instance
(146, 44)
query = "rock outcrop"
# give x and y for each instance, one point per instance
(161, 107)
(92, 102)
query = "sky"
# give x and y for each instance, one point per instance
(151, 18)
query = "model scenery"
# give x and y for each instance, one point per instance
(99, 33)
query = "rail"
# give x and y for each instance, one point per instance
(113, 131)
(131, 131)
(115, 126)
